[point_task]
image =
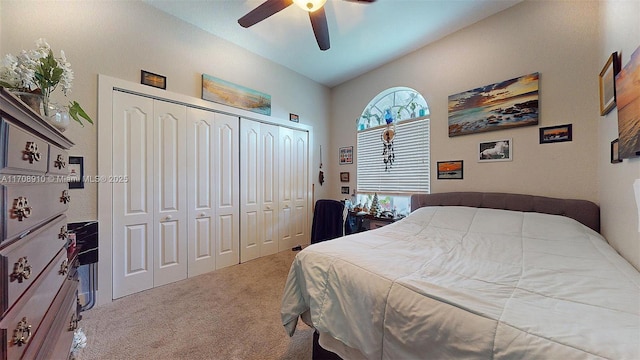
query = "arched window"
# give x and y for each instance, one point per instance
(393, 149)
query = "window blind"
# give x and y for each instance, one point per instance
(409, 172)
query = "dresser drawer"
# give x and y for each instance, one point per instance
(25, 259)
(23, 153)
(20, 327)
(28, 205)
(58, 161)
(63, 318)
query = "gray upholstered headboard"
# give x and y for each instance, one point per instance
(583, 211)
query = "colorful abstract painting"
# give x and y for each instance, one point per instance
(227, 93)
(498, 106)
(628, 103)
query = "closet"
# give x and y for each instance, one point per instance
(204, 190)
(274, 188)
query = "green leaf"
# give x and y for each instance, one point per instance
(76, 110)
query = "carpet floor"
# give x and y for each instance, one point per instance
(231, 313)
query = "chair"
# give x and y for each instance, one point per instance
(328, 220)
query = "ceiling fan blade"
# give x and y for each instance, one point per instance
(263, 11)
(320, 28)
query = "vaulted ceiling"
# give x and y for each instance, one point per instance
(363, 36)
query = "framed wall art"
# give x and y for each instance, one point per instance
(344, 177)
(346, 155)
(76, 172)
(294, 118)
(228, 93)
(151, 79)
(450, 170)
(555, 134)
(504, 105)
(607, 85)
(628, 102)
(498, 150)
(615, 152)
(344, 190)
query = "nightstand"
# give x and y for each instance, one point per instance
(358, 223)
(371, 222)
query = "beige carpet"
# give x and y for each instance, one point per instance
(231, 313)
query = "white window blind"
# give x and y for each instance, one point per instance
(409, 172)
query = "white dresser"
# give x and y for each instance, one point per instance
(38, 276)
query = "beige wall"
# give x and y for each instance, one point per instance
(119, 38)
(620, 31)
(556, 39)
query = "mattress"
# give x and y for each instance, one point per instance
(463, 282)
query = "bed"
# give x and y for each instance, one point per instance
(471, 275)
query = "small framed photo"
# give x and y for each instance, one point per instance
(151, 79)
(344, 177)
(346, 155)
(344, 190)
(450, 170)
(607, 84)
(615, 151)
(553, 134)
(497, 150)
(76, 172)
(294, 118)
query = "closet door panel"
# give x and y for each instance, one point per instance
(201, 214)
(286, 159)
(133, 200)
(227, 183)
(170, 214)
(269, 189)
(300, 184)
(250, 186)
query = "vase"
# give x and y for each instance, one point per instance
(32, 99)
(57, 116)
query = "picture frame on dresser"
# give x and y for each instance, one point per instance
(76, 172)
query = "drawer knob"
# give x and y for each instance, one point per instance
(21, 270)
(21, 208)
(31, 152)
(22, 333)
(64, 267)
(60, 163)
(63, 235)
(65, 198)
(73, 323)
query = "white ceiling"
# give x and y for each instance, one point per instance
(363, 36)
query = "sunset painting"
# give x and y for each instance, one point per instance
(227, 93)
(628, 103)
(498, 106)
(450, 169)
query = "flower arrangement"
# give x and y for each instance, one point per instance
(38, 71)
(79, 341)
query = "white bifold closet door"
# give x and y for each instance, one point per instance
(259, 225)
(213, 191)
(293, 188)
(178, 213)
(149, 219)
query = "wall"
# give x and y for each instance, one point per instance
(620, 31)
(556, 39)
(119, 38)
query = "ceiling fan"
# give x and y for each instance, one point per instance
(314, 7)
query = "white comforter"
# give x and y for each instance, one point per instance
(459, 282)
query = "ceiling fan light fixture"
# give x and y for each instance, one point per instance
(310, 5)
